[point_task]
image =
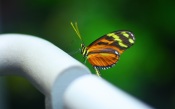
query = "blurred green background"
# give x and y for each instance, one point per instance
(146, 70)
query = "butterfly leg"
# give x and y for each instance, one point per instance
(85, 59)
(97, 71)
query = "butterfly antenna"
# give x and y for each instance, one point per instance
(75, 27)
(97, 72)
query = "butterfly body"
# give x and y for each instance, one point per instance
(105, 52)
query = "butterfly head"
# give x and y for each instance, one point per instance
(83, 47)
(83, 50)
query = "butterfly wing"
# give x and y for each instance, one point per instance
(105, 51)
(104, 58)
(119, 40)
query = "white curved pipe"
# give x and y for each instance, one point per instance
(95, 93)
(66, 83)
(41, 62)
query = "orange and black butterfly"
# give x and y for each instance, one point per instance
(105, 52)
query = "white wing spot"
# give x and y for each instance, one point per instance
(116, 52)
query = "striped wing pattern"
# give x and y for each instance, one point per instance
(104, 52)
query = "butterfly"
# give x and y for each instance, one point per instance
(104, 52)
